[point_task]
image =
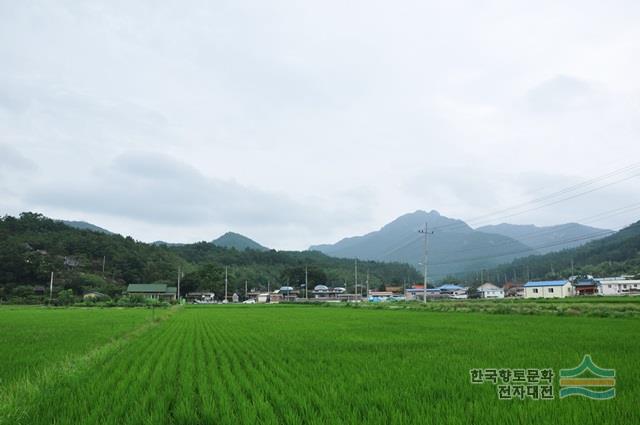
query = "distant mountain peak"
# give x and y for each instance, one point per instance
(454, 247)
(238, 241)
(83, 225)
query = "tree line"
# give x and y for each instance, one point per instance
(32, 246)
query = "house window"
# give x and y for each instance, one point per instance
(550, 290)
(535, 290)
(609, 286)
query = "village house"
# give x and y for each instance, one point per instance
(156, 291)
(618, 286)
(512, 289)
(548, 289)
(442, 291)
(489, 290)
(587, 286)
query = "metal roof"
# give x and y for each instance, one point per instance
(147, 287)
(449, 287)
(586, 282)
(545, 283)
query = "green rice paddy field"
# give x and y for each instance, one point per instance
(300, 364)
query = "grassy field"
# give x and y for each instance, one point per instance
(309, 364)
(31, 338)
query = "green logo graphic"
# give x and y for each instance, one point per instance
(595, 383)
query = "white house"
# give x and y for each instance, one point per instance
(618, 286)
(548, 289)
(489, 290)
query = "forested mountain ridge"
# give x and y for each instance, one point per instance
(610, 256)
(83, 225)
(544, 239)
(32, 246)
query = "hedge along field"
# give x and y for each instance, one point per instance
(308, 364)
(34, 338)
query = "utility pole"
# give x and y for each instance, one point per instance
(51, 288)
(104, 260)
(424, 260)
(179, 276)
(268, 291)
(355, 285)
(367, 294)
(306, 283)
(572, 267)
(405, 282)
(226, 282)
(246, 295)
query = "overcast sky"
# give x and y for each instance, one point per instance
(298, 123)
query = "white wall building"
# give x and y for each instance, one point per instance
(489, 290)
(618, 286)
(548, 289)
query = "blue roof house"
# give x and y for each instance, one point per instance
(548, 289)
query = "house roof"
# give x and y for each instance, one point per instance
(488, 287)
(449, 287)
(421, 290)
(586, 282)
(545, 283)
(147, 287)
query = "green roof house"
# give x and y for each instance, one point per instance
(158, 291)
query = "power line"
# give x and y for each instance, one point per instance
(468, 259)
(589, 219)
(512, 241)
(550, 196)
(486, 217)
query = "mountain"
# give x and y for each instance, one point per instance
(238, 241)
(454, 247)
(83, 225)
(544, 239)
(613, 255)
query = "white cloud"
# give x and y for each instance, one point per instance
(329, 114)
